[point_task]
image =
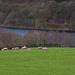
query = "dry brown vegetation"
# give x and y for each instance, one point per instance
(52, 14)
(12, 40)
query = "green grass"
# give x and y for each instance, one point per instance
(53, 61)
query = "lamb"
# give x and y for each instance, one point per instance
(44, 48)
(29, 49)
(40, 47)
(24, 47)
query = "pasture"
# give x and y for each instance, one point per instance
(53, 61)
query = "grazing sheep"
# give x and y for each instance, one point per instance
(44, 48)
(24, 47)
(13, 49)
(29, 49)
(5, 49)
(2, 49)
(40, 47)
(16, 48)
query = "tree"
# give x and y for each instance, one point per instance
(59, 0)
(30, 38)
(73, 21)
(52, 7)
(1, 45)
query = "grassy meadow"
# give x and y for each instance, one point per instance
(53, 61)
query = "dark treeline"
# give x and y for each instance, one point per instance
(17, 1)
(32, 38)
(56, 14)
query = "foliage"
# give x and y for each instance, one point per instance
(1, 45)
(43, 45)
(37, 13)
(10, 39)
(34, 39)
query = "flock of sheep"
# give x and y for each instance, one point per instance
(24, 47)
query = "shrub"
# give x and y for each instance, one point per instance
(44, 45)
(10, 39)
(1, 45)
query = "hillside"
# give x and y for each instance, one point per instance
(50, 14)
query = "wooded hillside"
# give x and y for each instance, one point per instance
(56, 14)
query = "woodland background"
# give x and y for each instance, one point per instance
(50, 14)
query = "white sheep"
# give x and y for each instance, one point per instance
(16, 48)
(13, 49)
(29, 49)
(40, 47)
(2, 49)
(24, 47)
(44, 48)
(5, 49)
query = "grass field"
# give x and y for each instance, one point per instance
(53, 61)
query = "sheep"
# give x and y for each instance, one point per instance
(13, 49)
(40, 47)
(44, 48)
(29, 49)
(5, 49)
(2, 49)
(16, 48)
(24, 47)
